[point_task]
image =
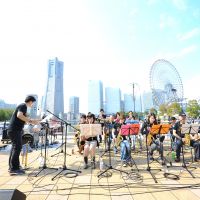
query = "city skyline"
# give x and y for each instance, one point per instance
(96, 41)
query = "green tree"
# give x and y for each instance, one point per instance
(163, 109)
(193, 108)
(173, 108)
(5, 114)
(153, 110)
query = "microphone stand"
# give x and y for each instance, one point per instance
(65, 149)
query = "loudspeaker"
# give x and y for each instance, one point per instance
(12, 195)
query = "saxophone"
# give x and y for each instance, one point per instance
(187, 139)
(149, 139)
(77, 138)
(119, 139)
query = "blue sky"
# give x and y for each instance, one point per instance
(113, 40)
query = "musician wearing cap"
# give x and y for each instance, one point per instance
(179, 138)
(15, 130)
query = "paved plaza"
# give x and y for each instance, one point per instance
(125, 183)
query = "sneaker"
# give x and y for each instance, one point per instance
(151, 158)
(93, 166)
(17, 172)
(177, 160)
(124, 165)
(85, 166)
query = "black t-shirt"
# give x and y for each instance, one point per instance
(177, 127)
(15, 122)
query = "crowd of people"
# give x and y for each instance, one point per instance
(112, 134)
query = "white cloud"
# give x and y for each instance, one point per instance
(180, 4)
(172, 55)
(167, 21)
(194, 32)
(151, 2)
(196, 13)
(190, 88)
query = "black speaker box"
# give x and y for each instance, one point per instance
(12, 195)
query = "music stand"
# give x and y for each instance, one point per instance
(65, 150)
(109, 166)
(107, 132)
(161, 129)
(46, 126)
(127, 130)
(154, 130)
(188, 129)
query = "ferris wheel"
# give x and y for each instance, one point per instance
(165, 83)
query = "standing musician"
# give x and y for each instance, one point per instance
(179, 138)
(15, 129)
(155, 142)
(90, 144)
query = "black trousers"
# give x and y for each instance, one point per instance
(16, 140)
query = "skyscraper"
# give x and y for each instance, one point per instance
(54, 98)
(128, 102)
(112, 100)
(95, 96)
(147, 100)
(74, 107)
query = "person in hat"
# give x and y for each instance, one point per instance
(179, 138)
(15, 130)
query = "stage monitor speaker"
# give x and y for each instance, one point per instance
(12, 195)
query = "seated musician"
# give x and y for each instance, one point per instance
(156, 141)
(131, 120)
(90, 144)
(115, 132)
(172, 122)
(79, 142)
(179, 138)
(125, 147)
(101, 117)
(195, 143)
(109, 131)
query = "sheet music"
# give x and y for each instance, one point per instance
(189, 128)
(90, 130)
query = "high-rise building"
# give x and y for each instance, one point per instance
(95, 96)
(128, 103)
(5, 105)
(54, 97)
(112, 100)
(74, 107)
(147, 101)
